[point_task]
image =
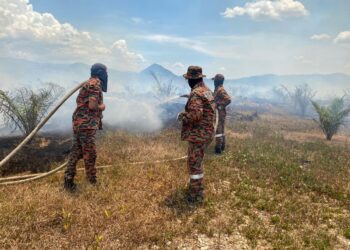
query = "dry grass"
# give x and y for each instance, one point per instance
(265, 192)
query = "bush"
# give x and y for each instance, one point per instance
(300, 98)
(163, 89)
(331, 117)
(25, 108)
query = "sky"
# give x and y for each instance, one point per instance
(234, 37)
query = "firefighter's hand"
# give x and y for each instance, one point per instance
(102, 107)
(180, 116)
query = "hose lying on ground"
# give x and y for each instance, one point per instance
(35, 177)
(39, 126)
(28, 178)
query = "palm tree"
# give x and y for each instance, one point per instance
(25, 108)
(331, 117)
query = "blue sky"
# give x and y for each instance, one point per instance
(234, 37)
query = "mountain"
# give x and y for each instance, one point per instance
(292, 79)
(24, 72)
(325, 85)
(17, 71)
(159, 71)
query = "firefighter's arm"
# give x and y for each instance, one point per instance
(93, 104)
(194, 110)
(94, 93)
(226, 98)
(223, 100)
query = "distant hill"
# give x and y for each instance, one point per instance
(24, 72)
(262, 85)
(277, 79)
(18, 71)
(324, 84)
(158, 70)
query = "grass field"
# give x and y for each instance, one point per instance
(279, 185)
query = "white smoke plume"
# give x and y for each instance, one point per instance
(133, 115)
(127, 112)
(131, 107)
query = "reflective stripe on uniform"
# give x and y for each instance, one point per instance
(219, 135)
(196, 176)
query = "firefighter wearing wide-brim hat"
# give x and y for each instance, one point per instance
(197, 128)
(222, 99)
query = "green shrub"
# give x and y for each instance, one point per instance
(331, 117)
(25, 108)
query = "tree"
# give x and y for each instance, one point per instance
(25, 108)
(163, 89)
(301, 97)
(331, 117)
(279, 94)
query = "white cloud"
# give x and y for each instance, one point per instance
(262, 54)
(273, 53)
(19, 20)
(343, 37)
(303, 60)
(268, 9)
(28, 34)
(179, 65)
(320, 37)
(193, 44)
(121, 48)
(136, 20)
(177, 68)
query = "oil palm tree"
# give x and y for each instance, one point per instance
(331, 117)
(25, 108)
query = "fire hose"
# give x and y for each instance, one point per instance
(29, 137)
(39, 126)
(32, 177)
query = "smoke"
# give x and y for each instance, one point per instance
(130, 105)
(135, 112)
(132, 114)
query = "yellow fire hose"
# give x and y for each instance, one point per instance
(28, 178)
(39, 126)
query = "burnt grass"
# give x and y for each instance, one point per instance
(264, 192)
(37, 156)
